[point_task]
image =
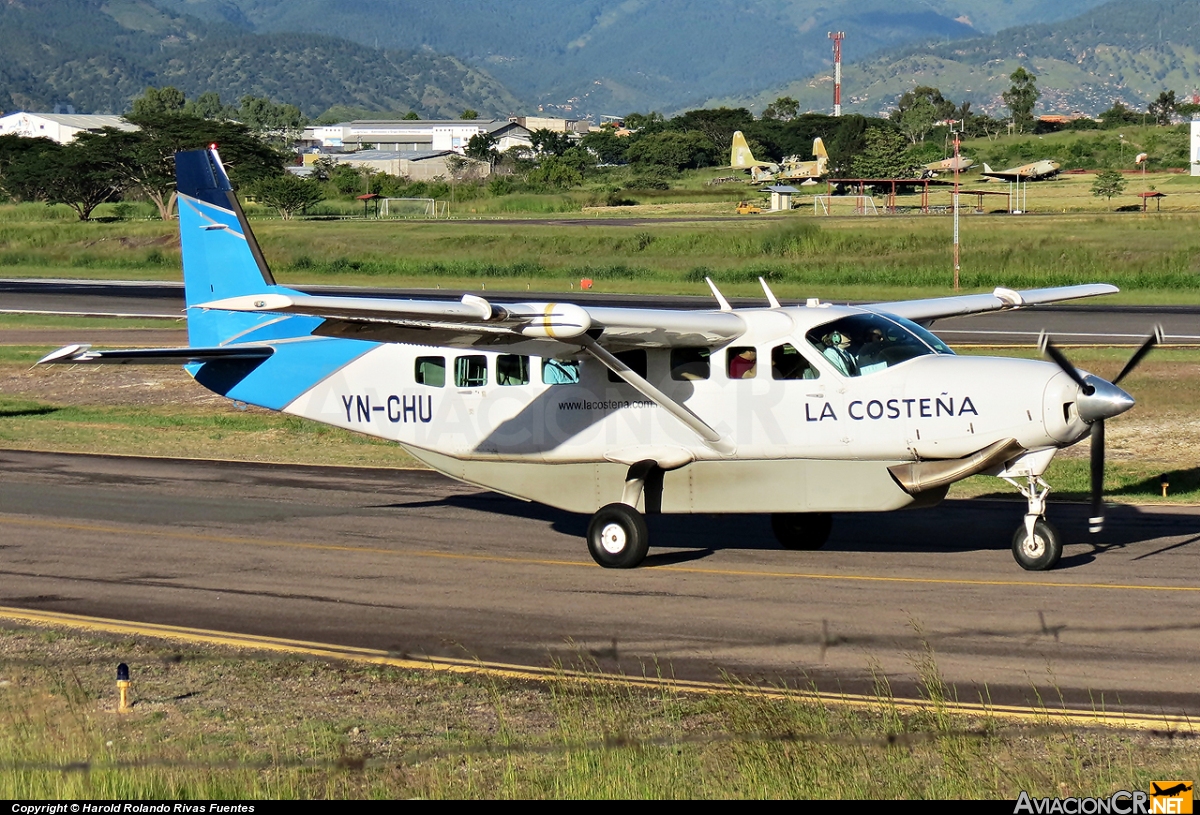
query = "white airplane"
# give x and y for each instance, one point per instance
(795, 411)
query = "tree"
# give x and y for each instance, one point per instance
(548, 141)
(1108, 183)
(785, 108)
(74, 174)
(411, 116)
(718, 124)
(15, 153)
(1119, 115)
(468, 114)
(1020, 98)
(158, 101)
(645, 122)
(919, 110)
(208, 106)
(277, 124)
(882, 156)
(605, 145)
(673, 149)
(288, 193)
(483, 147)
(145, 158)
(1163, 107)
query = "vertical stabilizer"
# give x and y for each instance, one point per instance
(221, 258)
(819, 148)
(740, 156)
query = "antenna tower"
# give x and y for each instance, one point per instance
(837, 37)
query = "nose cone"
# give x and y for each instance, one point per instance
(1105, 401)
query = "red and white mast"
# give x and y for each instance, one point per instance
(837, 37)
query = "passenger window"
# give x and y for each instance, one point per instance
(431, 371)
(689, 363)
(470, 372)
(788, 363)
(512, 369)
(560, 371)
(741, 362)
(634, 359)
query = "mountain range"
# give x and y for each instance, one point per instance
(1125, 51)
(97, 55)
(591, 56)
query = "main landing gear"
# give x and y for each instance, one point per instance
(617, 537)
(1036, 544)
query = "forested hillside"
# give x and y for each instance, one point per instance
(614, 56)
(1125, 50)
(97, 55)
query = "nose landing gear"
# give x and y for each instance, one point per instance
(1036, 544)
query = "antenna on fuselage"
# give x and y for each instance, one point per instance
(720, 297)
(771, 299)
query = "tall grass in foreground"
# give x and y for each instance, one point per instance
(222, 724)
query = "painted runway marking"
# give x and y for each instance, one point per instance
(330, 547)
(200, 636)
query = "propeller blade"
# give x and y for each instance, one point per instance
(1151, 341)
(1096, 522)
(1048, 348)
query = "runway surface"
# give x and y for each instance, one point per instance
(418, 565)
(1090, 323)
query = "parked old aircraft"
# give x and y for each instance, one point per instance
(798, 411)
(791, 168)
(1034, 171)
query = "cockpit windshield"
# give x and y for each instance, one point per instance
(865, 343)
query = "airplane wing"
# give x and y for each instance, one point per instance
(939, 308)
(474, 321)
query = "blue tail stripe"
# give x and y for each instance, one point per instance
(221, 259)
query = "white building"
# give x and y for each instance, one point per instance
(59, 127)
(419, 165)
(417, 135)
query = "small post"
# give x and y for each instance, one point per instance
(1165, 484)
(123, 688)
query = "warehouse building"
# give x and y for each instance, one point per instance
(59, 127)
(414, 135)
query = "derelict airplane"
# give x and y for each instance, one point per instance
(796, 411)
(946, 165)
(791, 169)
(1034, 171)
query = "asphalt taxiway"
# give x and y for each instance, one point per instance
(413, 564)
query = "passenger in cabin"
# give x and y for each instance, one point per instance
(743, 363)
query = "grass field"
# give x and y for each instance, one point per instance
(1153, 258)
(221, 723)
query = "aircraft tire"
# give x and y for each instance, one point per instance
(801, 531)
(1042, 552)
(617, 537)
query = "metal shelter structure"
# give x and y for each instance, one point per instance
(889, 186)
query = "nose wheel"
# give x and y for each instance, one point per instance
(1036, 545)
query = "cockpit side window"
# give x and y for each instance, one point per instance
(865, 343)
(789, 363)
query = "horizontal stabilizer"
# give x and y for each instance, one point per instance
(82, 354)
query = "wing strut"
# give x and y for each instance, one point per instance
(709, 436)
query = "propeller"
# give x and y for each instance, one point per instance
(1099, 400)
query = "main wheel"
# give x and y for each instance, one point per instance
(1040, 552)
(801, 530)
(617, 537)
